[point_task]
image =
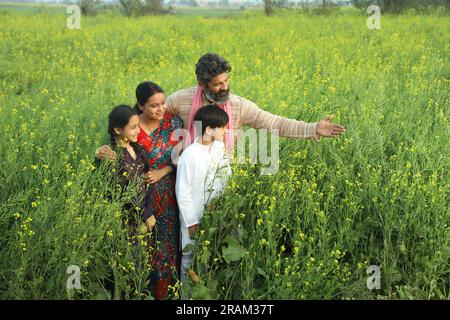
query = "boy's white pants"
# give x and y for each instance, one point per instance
(186, 259)
(186, 262)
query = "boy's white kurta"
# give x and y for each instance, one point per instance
(201, 176)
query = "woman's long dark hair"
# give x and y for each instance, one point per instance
(119, 118)
(144, 91)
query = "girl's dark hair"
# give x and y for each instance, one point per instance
(119, 118)
(211, 116)
(144, 91)
(210, 65)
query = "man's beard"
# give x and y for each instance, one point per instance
(221, 97)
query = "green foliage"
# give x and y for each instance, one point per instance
(376, 196)
(399, 6)
(142, 8)
(89, 7)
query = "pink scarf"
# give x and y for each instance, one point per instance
(197, 103)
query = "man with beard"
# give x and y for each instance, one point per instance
(212, 73)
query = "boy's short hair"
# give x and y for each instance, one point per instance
(211, 116)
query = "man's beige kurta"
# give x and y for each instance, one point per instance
(245, 112)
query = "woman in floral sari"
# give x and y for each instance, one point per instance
(155, 136)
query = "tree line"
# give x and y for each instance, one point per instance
(156, 7)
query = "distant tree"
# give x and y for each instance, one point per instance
(399, 6)
(142, 8)
(89, 7)
(268, 10)
(324, 7)
(131, 7)
(393, 6)
(326, 4)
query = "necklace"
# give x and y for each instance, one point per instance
(141, 117)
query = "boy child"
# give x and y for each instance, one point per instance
(202, 172)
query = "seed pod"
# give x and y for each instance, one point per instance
(193, 276)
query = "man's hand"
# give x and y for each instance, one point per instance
(193, 229)
(327, 129)
(105, 152)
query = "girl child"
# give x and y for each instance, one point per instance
(131, 165)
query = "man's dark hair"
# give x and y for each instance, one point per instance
(210, 65)
(211, 116)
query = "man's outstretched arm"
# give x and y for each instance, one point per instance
(257, 118)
